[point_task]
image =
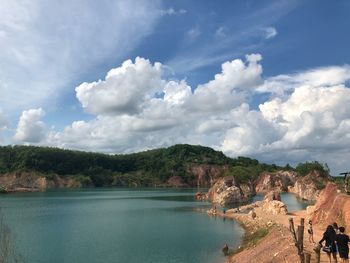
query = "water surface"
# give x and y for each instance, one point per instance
(116, 225)
(120, 225)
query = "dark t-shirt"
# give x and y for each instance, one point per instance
(342, 242)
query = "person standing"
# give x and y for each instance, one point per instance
(311, 232)
(330, 248)
(343, 245)
(336, 228)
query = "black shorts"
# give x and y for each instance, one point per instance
(344, 254)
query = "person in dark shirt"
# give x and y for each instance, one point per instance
(342, 243)
(329, 236)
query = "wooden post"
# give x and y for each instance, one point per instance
(318, 253)
(301, 235)
(298, 237)
(307, 257)
(291, 228)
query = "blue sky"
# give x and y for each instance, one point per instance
(266, 79)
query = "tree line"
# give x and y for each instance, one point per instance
(144, 168)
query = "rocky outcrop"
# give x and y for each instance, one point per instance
(272, 195)
(278, 181)
(332, 206)
(200, 196)
(309, 187)
(176, 181)
(226, 191)
(275, 207)
(248, 189)
(205, 175)
(33, 182)
(270, 205)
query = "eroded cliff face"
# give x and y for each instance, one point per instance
(226, 191)
(205, 175)
(308, 187)
(31, 182)
(278, 181)
(332, 206)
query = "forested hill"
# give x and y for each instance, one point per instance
(143, 168)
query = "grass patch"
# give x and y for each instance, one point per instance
(250, 239)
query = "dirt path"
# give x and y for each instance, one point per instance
(278, 245)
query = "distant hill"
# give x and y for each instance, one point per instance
(146, 168)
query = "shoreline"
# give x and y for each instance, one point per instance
(267, 237)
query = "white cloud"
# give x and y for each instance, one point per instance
(231, 86)
(124, 89)
(130, 116)
(322, 76)
(46, 46)
(171, 12)
(310, 122)
(309, 119)
(177, 93)
(30, 128)
(270, 32)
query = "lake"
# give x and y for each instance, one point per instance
(118, 225)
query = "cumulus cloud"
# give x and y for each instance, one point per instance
(136, 108)
(30, 128)
(131, 113)
(311, 122)
(229, 88)
(322, 76)
(124, 89)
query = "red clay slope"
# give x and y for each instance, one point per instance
(332, 206)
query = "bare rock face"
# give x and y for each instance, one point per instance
(272, 195)
(278, 181)
(22, 182)
(309, 186)
(176, 181)
(33, 182)
(275, 207)
(248, 189)
(205, 175)
(332, 206)
(226, 191)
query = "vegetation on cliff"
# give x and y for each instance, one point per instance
(143, 168)
(305, 168)
(137, 169)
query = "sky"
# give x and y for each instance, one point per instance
(264, 79)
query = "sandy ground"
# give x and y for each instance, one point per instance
(278, 245)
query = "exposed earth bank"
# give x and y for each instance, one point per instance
(33, 182)
(277, 244)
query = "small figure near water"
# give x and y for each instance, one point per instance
(330, 248)
(225, 250)
(311, 232)
(342, 244)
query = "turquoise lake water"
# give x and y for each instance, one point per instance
(118, 225)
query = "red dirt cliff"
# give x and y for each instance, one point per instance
(332, 206)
